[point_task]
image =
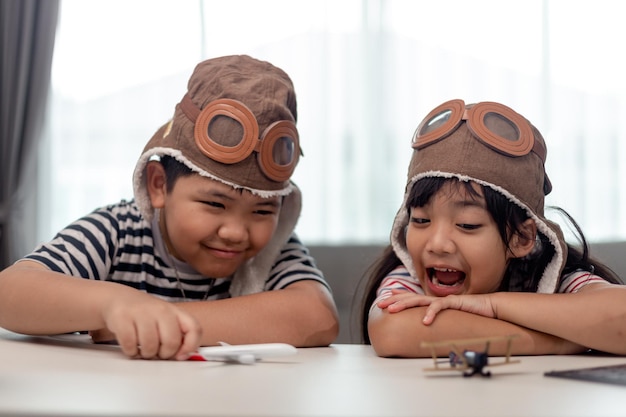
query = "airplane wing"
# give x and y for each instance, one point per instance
(244, 354)
(472, 341)
(459, 359)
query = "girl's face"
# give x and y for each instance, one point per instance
(455, 244)
(214, 227)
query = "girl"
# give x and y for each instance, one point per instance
(472, 254)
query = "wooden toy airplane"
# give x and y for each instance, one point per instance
(470, 362)
(244, 354)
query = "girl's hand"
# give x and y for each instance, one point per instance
(148, 328)
(471, 303)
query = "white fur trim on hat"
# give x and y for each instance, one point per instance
(140, 188)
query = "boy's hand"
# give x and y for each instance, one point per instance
(148, 328)
(471, 303)
(102, 336)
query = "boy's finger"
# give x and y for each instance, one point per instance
(192, 333)
(127, 340)
(149, 339)
(171, 336)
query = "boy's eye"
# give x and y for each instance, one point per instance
(213, 204)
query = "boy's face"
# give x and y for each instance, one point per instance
(213, 227)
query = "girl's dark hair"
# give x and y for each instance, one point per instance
(173, 170)
(521, 275)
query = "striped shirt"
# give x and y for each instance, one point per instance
(115, 243)
(400, 279)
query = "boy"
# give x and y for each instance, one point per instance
(206, 251)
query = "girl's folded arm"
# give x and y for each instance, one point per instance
(400, 334)
(594, 317)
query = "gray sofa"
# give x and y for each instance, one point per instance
(345, 266)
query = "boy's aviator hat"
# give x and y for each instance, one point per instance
(494, 146)
(236, 125)
(244, 97)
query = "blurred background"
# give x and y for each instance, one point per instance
(366, 72)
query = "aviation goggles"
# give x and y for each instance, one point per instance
(278, 147)
(496, 125)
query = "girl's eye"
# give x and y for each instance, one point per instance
(468, 226)
(419, 220)
(265, 212)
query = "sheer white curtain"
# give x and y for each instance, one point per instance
(366, 72)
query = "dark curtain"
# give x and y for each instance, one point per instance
(27, 32)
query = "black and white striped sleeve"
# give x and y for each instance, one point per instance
(294, 264)
(84, 249)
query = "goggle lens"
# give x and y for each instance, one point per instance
(283, 151)
(225, 131)
(436, 122)
(497, 123)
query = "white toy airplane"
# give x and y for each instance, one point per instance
(244, 354)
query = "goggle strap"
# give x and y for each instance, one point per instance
(191, 110)
(539, 148)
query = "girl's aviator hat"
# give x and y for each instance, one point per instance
(488, 142)
(492, 145)
(235, 124)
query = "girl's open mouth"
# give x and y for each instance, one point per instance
(445, 281)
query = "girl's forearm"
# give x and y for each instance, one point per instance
(400, 334)
(582, 318)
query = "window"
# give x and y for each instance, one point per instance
(366, 72)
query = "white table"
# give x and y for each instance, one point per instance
(48, 376)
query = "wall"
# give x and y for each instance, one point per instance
(344, 268)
